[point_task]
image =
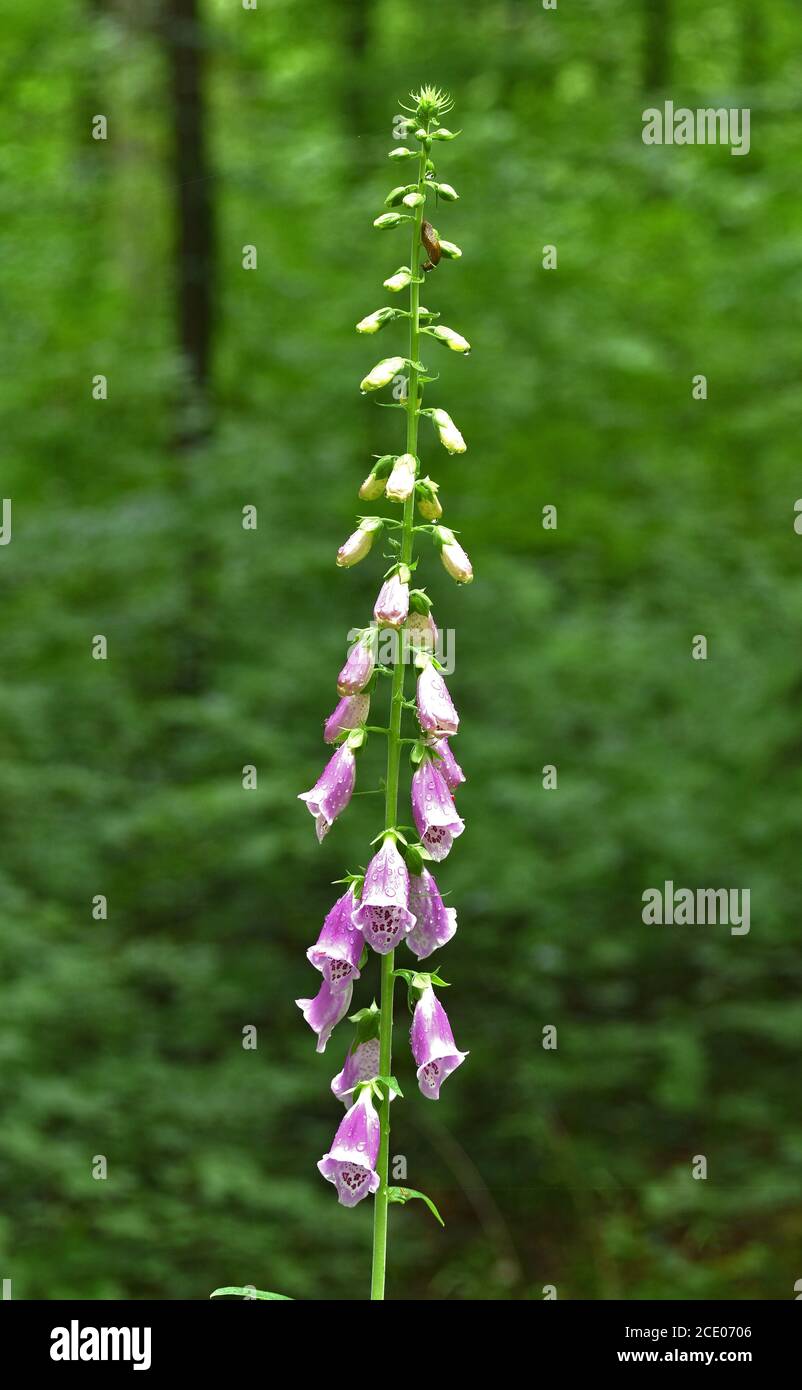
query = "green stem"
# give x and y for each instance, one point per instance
(394, 742)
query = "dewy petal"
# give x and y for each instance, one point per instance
(436, 923)
(324, 1012)
(392, 605)
(361, 1064)
(383, 915)
(448, 764)
(434, 810)
(358, 668)
(436, 712)
(351, 711)
(332, 790)
(433, 1047)
(350, 1163)
(339, 946)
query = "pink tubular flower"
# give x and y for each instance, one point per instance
(448, 764)
(436, 713)
(351, 1161)
(434, 810)
(392, 605)
(436, 923)
(338, 948)
(383, 915)
(358, 668)
(351, 711)
(324, 1012)
(361, 1064)
(433, 1046)
(332, 791)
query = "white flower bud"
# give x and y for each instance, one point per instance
(413, 200)
(402, 479)
(373, 322)
(373, 487)
(449, 249)
(454, 559)
(387, 219)
(428, 501)
(443, 134)
(446, 191)
(451, 338)
(401, 152)
(399, 279)
(395, 195)
(382, 373)
(359, 542)
(450, 437)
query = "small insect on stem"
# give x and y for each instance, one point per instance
(431, 244)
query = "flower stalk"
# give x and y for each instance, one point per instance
(395, 900)
(386, 998)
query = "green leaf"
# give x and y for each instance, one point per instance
(366, 1022)
(231, 1291)
(390, 1085)
(403, 1194)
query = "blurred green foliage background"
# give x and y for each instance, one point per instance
(675, 517)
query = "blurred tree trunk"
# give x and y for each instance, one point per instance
(184, 40)
(194, 212)
(752, 68)
(357, 16)
(656, 68)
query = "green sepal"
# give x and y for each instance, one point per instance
(403, 1194)
(419, 601)
(354, 881)
(390, 1085)
(393, 832)
(418, 752)
(421, 979)
(426, 488)
(356, 738)
(231, 1291)
(366, 1022)
(414, 856)
(396, 194)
